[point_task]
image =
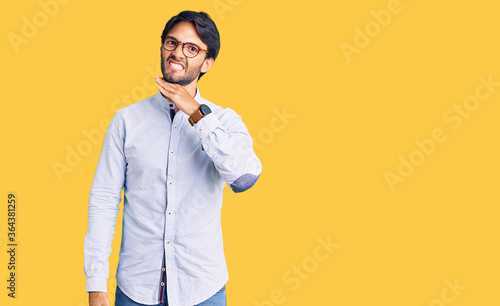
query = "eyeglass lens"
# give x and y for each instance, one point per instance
(189, 50)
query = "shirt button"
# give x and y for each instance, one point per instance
(168, 241)
(169, 212)
(199, 130)
(162, 283)
(170, 183)
(175, 126)
(163, 269)
(171, 152)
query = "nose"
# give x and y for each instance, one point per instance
(177, 52)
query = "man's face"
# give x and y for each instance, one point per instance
(191, 67)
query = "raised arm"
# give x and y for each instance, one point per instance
(226, 140)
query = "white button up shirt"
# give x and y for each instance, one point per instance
(173, 175)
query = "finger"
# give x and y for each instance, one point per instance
(163, 84)
(163, 91)
(167, 91)
(160, 81)
(167, 94)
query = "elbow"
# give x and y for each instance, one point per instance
(244, 182)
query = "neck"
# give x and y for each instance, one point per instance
(191, 88)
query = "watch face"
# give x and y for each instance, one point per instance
(205, 110)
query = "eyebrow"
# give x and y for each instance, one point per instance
(168, 36)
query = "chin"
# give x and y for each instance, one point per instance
(173, 80)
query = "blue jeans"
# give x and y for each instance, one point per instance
(218, 299)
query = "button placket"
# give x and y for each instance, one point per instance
(171, 202)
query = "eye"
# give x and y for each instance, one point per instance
(170, 42)
(192, 48)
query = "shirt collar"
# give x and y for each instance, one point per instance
(167, 105)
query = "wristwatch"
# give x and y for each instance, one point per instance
(201, 112)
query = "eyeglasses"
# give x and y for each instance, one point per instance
(190, 50)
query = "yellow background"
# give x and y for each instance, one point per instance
(323, 171)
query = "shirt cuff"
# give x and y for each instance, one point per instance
(206, 125)
(97, 283)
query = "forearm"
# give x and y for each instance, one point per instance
(230, 146)
(97, 246)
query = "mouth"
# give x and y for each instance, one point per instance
(175, 65)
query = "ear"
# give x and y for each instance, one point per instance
(207, 64)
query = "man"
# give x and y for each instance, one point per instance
(172, 153)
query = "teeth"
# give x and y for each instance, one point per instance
(176, 66)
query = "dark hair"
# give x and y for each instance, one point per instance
(204, 26)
